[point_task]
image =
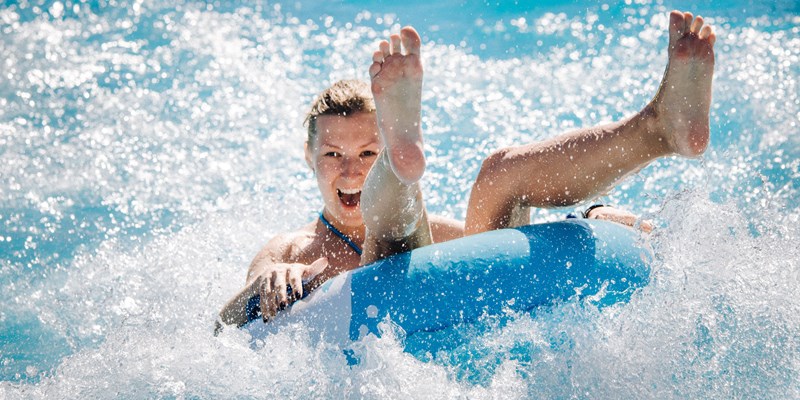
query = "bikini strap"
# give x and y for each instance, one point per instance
(340, 234)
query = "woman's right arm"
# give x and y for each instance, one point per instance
(267, 277)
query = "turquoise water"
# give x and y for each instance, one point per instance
(147, 151)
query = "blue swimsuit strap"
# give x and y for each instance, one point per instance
(340, 234)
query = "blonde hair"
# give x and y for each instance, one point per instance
(345, 97)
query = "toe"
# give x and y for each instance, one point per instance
(377, 56)
(385, 49)
(395, 44)
(374, 69)
(377, 59)
(697, 24)
(411, 40)
(676, 25)
(705, 32)
(687, 21)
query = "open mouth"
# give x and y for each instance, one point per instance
(349, 197)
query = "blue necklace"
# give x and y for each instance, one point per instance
(340, 234)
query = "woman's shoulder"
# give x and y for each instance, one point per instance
(285, 247)
(291, 244)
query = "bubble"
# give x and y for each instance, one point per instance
(150, 150)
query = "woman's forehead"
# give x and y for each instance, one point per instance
(359, 129)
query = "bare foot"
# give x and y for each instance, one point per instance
(682, 103)
(397, 89)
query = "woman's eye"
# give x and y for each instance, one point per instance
(368, 153)
(332, 154)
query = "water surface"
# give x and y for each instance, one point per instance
(148, 150)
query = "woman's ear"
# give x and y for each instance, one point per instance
(309, 159)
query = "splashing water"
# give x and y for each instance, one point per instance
(149, 150)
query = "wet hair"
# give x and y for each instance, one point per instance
(345, 97)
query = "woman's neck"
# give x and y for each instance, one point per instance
(356, 234)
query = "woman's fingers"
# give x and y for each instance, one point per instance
(315, 268)
(269, 292)
(279, 287)
(621, 217)
(646, 226)
(273, 285)
(295, 278)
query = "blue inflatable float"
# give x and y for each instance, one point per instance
(456, 282)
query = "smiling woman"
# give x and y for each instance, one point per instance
(341, 154)
(343, 145)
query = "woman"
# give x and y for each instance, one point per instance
(367, 158)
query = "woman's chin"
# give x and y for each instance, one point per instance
(350, 215)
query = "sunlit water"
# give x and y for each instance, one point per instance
(148, 150)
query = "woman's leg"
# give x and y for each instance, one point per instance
(391, 203)
(582, 164)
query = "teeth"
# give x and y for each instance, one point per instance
(350, 191)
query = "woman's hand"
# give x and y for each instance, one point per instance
(270, 282)
(620, 216)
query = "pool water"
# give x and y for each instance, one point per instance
(148, 150)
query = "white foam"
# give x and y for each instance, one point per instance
(162, 163)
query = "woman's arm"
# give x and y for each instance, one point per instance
(620, 216)
(234, 312)
(444, 229)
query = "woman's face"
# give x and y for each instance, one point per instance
(341, 155)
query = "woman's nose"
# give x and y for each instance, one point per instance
(352, 166)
